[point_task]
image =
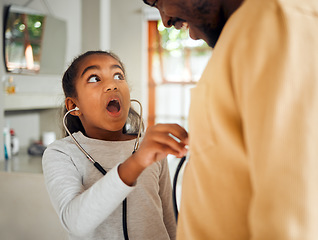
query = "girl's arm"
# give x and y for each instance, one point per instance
(156, 145)
(80, 210)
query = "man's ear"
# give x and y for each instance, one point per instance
(70, 104)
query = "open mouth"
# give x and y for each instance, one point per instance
(113, 106)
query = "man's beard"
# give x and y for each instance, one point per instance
(212, 32)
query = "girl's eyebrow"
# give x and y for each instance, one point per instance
(98, 67)
(90, 67)
(117, 66)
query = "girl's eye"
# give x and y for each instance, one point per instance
(118, 76)
(93, 79)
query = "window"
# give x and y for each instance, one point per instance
(176, 63)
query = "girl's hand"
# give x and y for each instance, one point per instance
(159, 141)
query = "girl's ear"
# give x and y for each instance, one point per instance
(70, 104)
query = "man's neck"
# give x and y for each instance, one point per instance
(230, 6)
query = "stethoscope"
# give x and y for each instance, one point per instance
(89, 157)
(174, 186)
(99, 167)
(136, 146)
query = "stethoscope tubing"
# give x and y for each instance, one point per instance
(174, 187)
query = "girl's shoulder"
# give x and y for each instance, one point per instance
(66, 142)
(61, 144)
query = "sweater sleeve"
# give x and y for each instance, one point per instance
(80, 210)
(165, 193)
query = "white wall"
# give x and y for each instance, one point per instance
(129, 41)
(96, 25)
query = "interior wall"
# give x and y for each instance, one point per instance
(128, 39)
(91, 25)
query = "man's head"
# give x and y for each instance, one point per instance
(205, 18)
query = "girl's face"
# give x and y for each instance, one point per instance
(102, 96)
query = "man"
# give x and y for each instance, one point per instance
(253, 167)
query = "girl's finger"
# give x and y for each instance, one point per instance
(173, 129)
(166, 139)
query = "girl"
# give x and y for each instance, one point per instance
(88, 203)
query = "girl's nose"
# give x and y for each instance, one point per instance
(110, 85)
(108, 89)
